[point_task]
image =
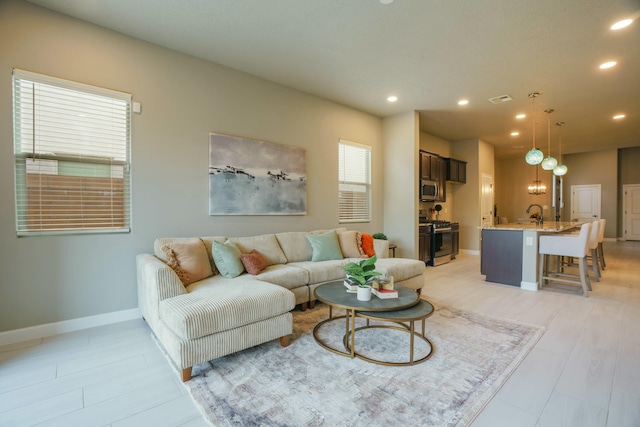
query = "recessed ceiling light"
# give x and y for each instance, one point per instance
(463, 102)
(619, 116)
(386, 1)
(516, 133)
(521, 116)
(607, 65)
(621, 24)
(392, 98)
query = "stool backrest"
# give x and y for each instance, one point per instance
(583, 237)
(603, 223)
(593, 236)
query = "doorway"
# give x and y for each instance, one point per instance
(487, 201)
(631, 211)
(585, 202)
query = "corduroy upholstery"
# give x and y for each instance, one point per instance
(217, 316)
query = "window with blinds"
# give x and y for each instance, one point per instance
(354, 182)
(72, 146)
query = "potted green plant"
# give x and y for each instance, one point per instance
(380, 236)
(363, 273)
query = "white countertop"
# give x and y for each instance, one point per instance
(546, 227)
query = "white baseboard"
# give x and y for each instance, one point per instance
(470, 251)
(528, 286)
(48, 329)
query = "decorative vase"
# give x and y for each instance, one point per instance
(364, 293)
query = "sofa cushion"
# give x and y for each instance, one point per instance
(266, 244)
(284, 275)
(253, 262)
(322, 272)
(367, 245)
(325, 247)
(295, 245)
(208, 243)
(218, 304)
(227, 258)
(188, 259)
(351, 244)
(400, 268)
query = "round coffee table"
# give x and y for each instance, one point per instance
(408, 307)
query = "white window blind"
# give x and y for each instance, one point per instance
(354, 182)
(72, 146)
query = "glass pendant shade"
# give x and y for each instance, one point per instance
(534, 156)
(560, 170)
(549, 163)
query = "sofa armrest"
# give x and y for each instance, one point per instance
(156, 282)
(381, 247)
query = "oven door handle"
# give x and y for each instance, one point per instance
(442, 230)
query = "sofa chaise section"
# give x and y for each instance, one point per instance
(210, 318)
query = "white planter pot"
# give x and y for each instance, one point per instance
(364, 294)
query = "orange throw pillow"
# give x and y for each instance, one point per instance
(367, 245)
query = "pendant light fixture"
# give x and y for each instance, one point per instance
(534, 156)
(549, 162)
(561, 168)
(537, 187)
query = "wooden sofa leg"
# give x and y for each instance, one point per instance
(312, 304)
(186, 374)
(285, 340)
(303, 306)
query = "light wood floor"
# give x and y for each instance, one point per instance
(585, 371)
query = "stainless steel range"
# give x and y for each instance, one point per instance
(441, 241)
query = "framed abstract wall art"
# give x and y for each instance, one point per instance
(249, 177)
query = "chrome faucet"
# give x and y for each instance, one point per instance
(539, 220)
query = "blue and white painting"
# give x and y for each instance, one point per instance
(248, 177)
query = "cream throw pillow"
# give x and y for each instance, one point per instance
(189, 260)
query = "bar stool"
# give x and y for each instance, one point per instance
(603, 223)
(570, 246)
(592, 258)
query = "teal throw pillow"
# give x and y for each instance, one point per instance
(227, 259)
(325, 246)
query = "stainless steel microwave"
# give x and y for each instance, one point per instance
(428, 190)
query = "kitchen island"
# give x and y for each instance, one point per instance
(509, 252)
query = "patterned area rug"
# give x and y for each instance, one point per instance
(306, 385)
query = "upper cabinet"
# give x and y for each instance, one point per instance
(434, 168)
(456, 171)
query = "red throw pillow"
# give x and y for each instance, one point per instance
(367, 245)
(253, 262)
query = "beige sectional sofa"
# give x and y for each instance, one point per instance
(217, 315)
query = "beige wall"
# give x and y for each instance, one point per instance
(401, 141)
(595, 167)
(49, 279)
(610, 168)
(628, 165)
(513, 176)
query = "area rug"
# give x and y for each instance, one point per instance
(306, 385)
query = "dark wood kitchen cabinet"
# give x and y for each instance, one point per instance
(455, 239)
(456, 171)
(434, 168)
(424, 244)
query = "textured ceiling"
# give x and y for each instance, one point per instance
(429, 53)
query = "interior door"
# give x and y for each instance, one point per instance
(631, 211)
(487, 201)
(585, 202)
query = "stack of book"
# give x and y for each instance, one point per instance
(351, 285)
(385, 293)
